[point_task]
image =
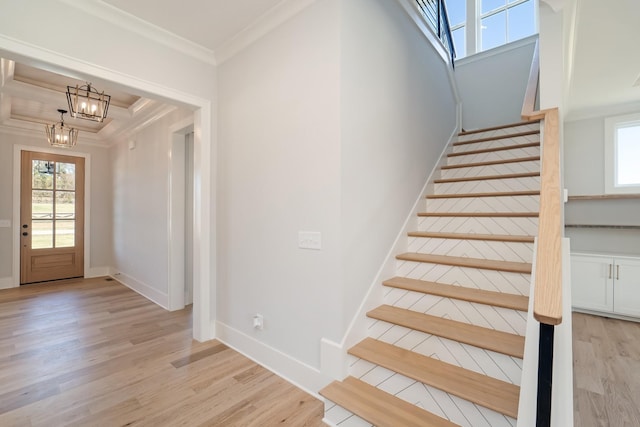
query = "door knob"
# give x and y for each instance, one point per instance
(24, 233)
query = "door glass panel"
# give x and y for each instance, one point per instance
(65, 176)
(65, 233)
(42, 172)
(65, 204)
(42, 204)
(42, 234)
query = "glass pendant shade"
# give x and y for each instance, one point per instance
(87, 103)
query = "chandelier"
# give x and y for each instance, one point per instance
(85, 102)
(60, 136)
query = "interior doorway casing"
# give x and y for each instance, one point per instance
(204, 282)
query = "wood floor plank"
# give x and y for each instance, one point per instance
(497, 299)
(378, 407)
(486, 264)
(490, 339)
(474, 236)
(93, 352)
(483, 390)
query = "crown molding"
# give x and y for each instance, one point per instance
(271, 19)
(129, 22)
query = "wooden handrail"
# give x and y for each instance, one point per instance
(547, 307)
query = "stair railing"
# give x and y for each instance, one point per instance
(547, 301)
(435, 13)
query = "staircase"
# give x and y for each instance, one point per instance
(446, 348)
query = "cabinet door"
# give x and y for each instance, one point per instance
(591, 282)
(627, 287)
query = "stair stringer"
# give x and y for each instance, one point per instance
(334, 358)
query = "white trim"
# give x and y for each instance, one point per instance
(611, 125)
(129, 22)
(599, 112)
(97, 272)
(176, 209)
(141, 288)
(263, 25)
(497, 50)
(205, 143)
(415, 14)
(356, 330)
(294, 371)
(17, 153)
(6, 283)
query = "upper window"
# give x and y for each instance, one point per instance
(479, 25)
(622, 154)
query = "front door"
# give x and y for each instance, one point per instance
(52, 217)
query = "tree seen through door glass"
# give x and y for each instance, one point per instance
(65, 176)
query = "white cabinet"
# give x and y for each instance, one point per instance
(606, 283)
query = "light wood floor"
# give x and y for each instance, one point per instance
(94, 353)
(606, 368)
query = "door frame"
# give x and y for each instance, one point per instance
(17, 166)
(205, 169)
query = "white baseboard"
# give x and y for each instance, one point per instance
(160, 298)
(6, 283)
(96, 272)
(297, 373)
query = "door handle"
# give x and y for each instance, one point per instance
(618, 272)
(609, 271)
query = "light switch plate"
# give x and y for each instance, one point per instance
(5, 223)
(310, 240)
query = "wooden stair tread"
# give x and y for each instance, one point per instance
(481, 214)
(480, 296)
(494, 149)
(486, 264)
(379, 407)
(486, 194)
(487, 177)
(492, 162)
(510, 125)
(472, 236)
(489, 339)
(494, 138)
(486, 391)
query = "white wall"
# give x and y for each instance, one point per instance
(332, 123)
(492, 84)
(279, 111)
(100, 219)
(398, 112)
(139, 60)
(584, 170)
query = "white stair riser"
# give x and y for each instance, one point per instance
(482, 249)
(339, 416)
(486, 362)
(500, 132)
(484, 204)
(458, 411)
(515, 153)
(491, 185)
(490, 280)
(492, 225)
(497, 318)
(499, 169)
(497, 143)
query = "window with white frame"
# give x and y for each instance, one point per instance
(622, 154)
(479, 25)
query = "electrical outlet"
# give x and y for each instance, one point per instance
(310, 240)
(258, 321)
